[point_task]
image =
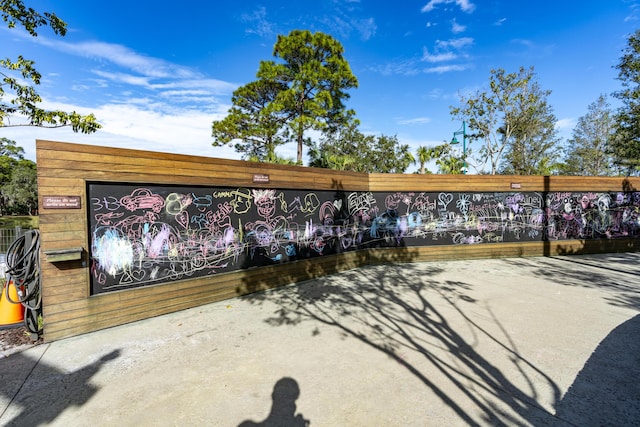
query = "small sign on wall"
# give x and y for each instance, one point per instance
(261, 178)
(61, 202)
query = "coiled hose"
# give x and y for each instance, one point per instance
(23, 269)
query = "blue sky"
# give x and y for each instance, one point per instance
(157, 73)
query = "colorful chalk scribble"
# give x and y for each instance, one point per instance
(150, 234)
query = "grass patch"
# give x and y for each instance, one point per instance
(26, 222)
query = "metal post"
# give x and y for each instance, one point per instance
(454, 140)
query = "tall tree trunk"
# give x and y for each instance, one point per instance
(300, 139)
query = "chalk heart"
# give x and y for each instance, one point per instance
(183, 219)
(445, 198)
(138, 275)
(337, 204)
(131, 277)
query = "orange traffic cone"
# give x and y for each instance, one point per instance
(10, 314)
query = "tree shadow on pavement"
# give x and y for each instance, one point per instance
(607, 390)
(617, 274)
(393, 309)
(283, 408)
(42, 391)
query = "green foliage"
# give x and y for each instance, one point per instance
(24, 98)
(624, 145)
(588, 150)
(20, 194)
(513, 122)
(275, 159)
(24, 222)
(18, 180)
(532, 149)
(10, 154)
(446, 160)
(316, 76)
(423, 158)
(346, 148)
(256, 129)
(14, 11)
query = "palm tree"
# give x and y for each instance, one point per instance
(423, 157)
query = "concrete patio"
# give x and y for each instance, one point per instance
(518, 341)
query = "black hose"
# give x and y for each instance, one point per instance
(23, 269)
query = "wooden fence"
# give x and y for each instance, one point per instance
(85, 220)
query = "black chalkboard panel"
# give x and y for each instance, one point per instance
(146, 234)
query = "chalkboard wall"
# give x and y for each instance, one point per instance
(147, 234)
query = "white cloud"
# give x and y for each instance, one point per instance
(446, 51)
(213, 85)
(344, 25)
(436, 93)
(531, 49)
(566, 124)
(158, 105)
(121, 56)
(415, 121)
(123, 78)
(80, 88)
(136, 69)
(523, 42)
(457, 28)
(133, 125)
(445, 69)
(366, 27)
(465, 5)
(439, 57)
(634, 8)
(167, 90)
(185, 93)
(405, 68)
(259, 23)
(458, 43)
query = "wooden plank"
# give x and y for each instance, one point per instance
(57, 276)
(284, 182)
(59, 330)
(96, 311)
(43, 147)
(69, 291)
(62, 150)
(99, 311)
(65, 236)
(190, 165)
(382, 182)
(62, 244)
(58, 227)
(148, 166)
(55, 295)
(61, 217)
(117, 299)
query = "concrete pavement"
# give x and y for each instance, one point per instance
(518, 341)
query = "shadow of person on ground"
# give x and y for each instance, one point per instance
(283, 409)
(46, 392)
(607, 391)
